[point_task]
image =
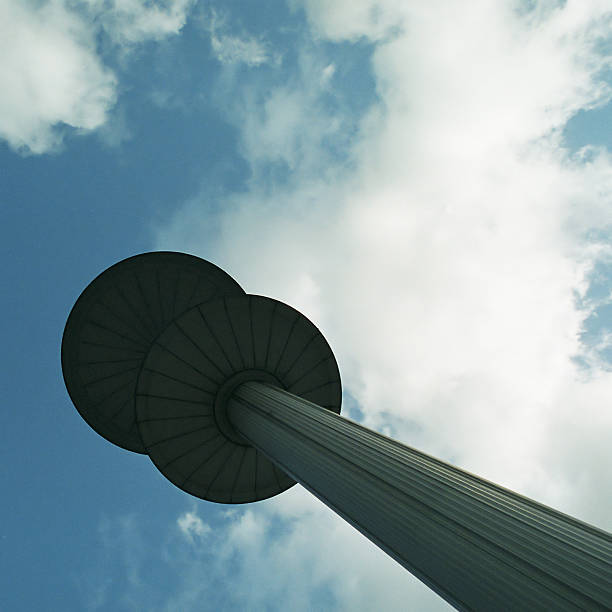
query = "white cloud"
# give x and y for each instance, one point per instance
(292, 554)
(192, 526)
(134, 21)
(267, 557)
(354, 19)
(234, 48)
(443, 261)
(51, 75)
(291, 125)
(318, 563)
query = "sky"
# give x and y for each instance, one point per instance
(430, 183)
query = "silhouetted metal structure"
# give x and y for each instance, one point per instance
(236, 397)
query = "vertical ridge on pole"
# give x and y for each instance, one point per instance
(476, 544)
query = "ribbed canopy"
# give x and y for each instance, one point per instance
(113, 325)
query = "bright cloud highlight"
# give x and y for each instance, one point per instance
(192, 526)
(51, 73)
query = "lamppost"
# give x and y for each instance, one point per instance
(236, 397)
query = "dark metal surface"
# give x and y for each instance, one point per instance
(189, 373)
(478, 545)
(113, 324)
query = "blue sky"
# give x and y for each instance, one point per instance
(431, 185)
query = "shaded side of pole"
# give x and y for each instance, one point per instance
(476, 544)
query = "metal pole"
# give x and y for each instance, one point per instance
(164, 354)
(478, 545)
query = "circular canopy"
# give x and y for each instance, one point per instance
(187, 370)
(113, 325)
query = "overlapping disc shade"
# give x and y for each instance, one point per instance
(191, 361)
(113, 325)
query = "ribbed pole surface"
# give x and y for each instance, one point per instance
(478, 545)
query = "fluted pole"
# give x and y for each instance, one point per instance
(165, 354)
(478, 545)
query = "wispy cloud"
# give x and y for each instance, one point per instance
(128, 22)
(192, 526)
(294, 555)
(234, 47)
(114, 572)
(231, 50)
